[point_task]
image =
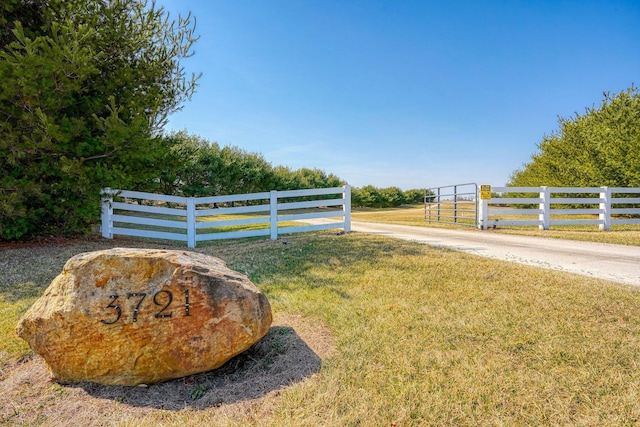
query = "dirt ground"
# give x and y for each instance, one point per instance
(292, 351)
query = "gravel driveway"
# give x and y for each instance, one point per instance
(618, 263)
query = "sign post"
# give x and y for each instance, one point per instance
(483, 206)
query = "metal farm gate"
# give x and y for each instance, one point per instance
(452, 204)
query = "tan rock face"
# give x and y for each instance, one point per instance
(140, 316)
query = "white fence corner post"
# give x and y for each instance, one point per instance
(273, 215)
(483, 213)
(107, 214)
(605, 208)
(545, 207)
(346, 208)
(191, 222)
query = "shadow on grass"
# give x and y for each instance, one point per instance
(281, 358)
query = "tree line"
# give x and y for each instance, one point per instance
(196, 167)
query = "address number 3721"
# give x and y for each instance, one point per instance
(162, 301)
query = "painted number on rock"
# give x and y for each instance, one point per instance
(161, 299)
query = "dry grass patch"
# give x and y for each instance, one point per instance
(375, 331)
(414, 215)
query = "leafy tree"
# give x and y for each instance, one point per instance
(285, 178)
(191, 166)
(195, 166)
(598, 148)
(414, 196)
(373, 197)
(244, 172)
(392, 196)
(85, 88)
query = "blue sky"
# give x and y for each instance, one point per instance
(411, 94)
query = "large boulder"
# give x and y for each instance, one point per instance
(141, 316)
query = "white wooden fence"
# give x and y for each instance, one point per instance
(197, 219)
(614, 206)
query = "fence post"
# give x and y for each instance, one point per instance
(425, 205)
(605, 207)
(346, 208)
(545, 206)
(107, 214)
(455, 204)
(273, 205)
(191, 222)
(483, 212)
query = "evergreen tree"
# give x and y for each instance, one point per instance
(85, 88)
(598, 148)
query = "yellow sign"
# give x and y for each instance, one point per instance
(485, 192)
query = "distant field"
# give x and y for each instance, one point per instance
(414, 215)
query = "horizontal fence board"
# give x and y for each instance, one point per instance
(627, 200)
(575, 221)
(514, 211)
(232, 235)
(310, 192)
(574, 190)
(515, 189)
(515, 200)
(232, 198)
(232, 222)
(615, 190)
(631, 211)
(149, 196)
(312, 215)
(629, 221)
(232, 211)
(310, 204)
(576, 211)
(149, 233)
(514, 222)
(149, 221)
(148, 209)
(575, 200)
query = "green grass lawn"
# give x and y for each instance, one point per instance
(420, 336)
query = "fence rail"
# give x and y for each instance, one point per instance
(612, 205)
(197, 219)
